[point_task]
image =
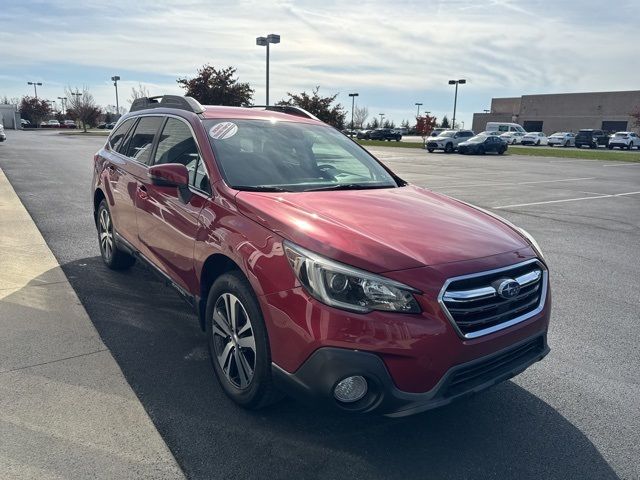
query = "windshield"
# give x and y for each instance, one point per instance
(449, 133)
(558, 135)
(621, 134)
(288, 156)
(477, 139)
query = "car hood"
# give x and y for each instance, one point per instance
(382, 230)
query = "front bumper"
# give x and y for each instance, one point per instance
(316, 379)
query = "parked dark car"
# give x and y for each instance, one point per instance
(313, 268)
(591, 138)
(363, 134)
(481, 144)
(385, 134)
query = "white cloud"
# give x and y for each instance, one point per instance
(501, 46)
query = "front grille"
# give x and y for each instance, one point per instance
(482, 303)
(469, 377)
(432, 145)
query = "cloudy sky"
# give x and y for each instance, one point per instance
(394, 53)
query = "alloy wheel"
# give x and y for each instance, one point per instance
(233, 340)
(106, 234)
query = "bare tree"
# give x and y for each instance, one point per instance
(82, 107)
(360, 115)
(140, 92)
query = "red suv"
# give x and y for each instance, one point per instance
(315, 270)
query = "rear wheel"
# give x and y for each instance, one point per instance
(430, 150)
(238, 342)
(502, 150)
(448, 148)
(113, 257)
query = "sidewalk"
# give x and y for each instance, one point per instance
(66, 410)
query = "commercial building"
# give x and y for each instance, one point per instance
(568, 112)
(9, 116)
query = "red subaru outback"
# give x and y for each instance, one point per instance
(314, 269)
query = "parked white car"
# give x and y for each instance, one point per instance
(448, 140)
(626, 140)
(562, 139)
(3, 135)
(535, 138)
(513, 138)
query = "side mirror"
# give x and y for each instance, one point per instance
(172, 175)
(169, 175)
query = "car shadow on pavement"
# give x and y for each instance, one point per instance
(505, 432)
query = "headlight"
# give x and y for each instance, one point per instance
(347, 287)
(532, 241)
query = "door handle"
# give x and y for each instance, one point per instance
(142, 192)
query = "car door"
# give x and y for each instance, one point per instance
(120, 184)
(168, 222)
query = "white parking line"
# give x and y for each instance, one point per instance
(622, 165)
(566, 200)
(517, 183)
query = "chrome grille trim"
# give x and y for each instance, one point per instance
(464, 296)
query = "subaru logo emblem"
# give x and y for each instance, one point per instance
(508, 289)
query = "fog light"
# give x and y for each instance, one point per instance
(350, 389)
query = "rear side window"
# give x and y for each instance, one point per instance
(177, 145)
(141, 141)
(119, 134)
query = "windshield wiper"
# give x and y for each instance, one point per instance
(259, 188)
(348, 186)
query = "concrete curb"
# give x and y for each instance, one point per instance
(66, 410)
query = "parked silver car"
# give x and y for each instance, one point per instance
(448, 140)
(562, 139)
(626, 140)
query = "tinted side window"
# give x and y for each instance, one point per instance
(142, 139)
(118, 135)
(177, 145)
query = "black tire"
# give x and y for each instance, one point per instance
(448, 148)
(112, 256)
(502, 150)
(566, 144)
(610, 147)
(259, 391)
(430, 150)
(592, 146)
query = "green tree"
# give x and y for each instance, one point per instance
(34, 109)
(445, 122)
(217, 87)
(373, 124)
(321, 107)
(405, 124)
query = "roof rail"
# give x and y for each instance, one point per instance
(167, 101)
(290, 109)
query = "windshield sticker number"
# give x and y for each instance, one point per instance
(223, 130)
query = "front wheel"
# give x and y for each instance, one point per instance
(112, 256)
(238, 342)
(448, 148)
(430, 150)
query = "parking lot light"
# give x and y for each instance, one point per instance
(418, 105)
(381, 118)
(353, 103)
(115, 79)
(35, 87)
(264, 42)
(461, 81)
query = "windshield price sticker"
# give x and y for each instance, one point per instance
(223, 130)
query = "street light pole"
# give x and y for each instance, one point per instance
(115, 79)
(63, 101)
(419, 105)
(35, 89)
(264, 42)
(381, 117)
(462, 81)
(353, 104)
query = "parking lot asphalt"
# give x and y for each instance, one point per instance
(576, 414)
